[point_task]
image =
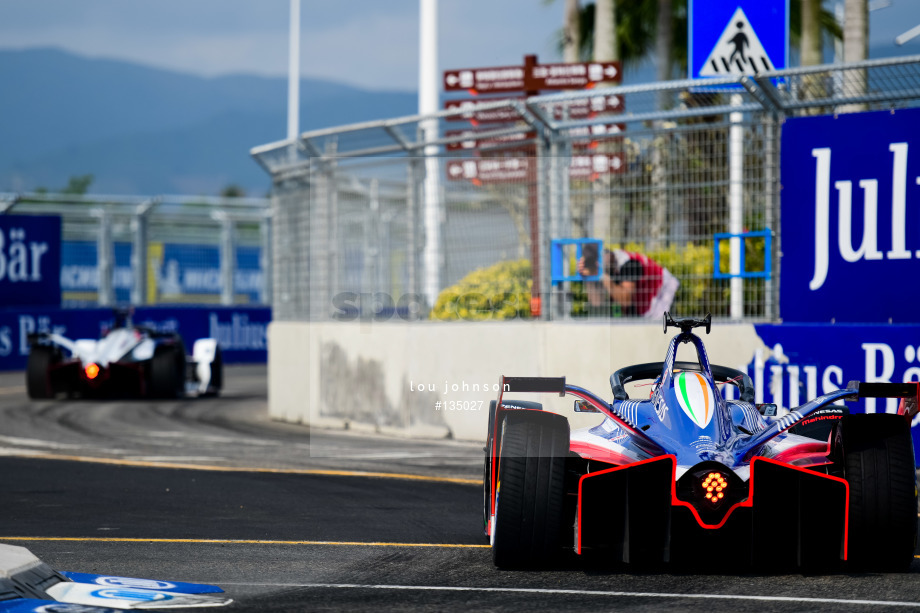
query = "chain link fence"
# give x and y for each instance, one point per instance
(486, 219)
(144, 250)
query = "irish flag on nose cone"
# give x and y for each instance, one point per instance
(695, 397)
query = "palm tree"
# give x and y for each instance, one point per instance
(856, 36)
(571, 31)
(605, 31)
(856, 45)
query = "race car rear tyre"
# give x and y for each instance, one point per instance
(167, 372)
(38, 371)
(878, 461)
(530, 488)
(217, 373)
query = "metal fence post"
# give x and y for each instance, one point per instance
(265, 258)
(543, 228)
(412, 206)
(371, 240)
(105, 257)
(771, 213)
(556, 292)
(736, 206)
(434, 258)
(227, 256)
(139, 273)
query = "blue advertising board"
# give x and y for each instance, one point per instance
(181, 273)
(737, 37)
(30, 260)
(799, 362)
(242, 332)
(851, 242)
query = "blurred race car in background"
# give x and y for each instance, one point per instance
(671, 478)
(128, 360)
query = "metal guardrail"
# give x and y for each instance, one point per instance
(157, 249)
(696, 158)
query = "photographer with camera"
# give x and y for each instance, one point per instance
(635, 282)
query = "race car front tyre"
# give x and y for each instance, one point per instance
(167, 372)
(878, 460)
(489, 450)
(530, 489)
(487, 473)
(38, 371)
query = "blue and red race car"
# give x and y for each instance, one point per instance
(686, 475)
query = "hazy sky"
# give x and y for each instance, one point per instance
(372, 43)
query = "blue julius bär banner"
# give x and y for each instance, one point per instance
(799, 362)
(30, 260)
(242, 332)
(850, 220)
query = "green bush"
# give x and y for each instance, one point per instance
(499, 292)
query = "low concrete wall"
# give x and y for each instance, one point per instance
(435, 379)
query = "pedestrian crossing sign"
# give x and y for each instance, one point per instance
(738, 37)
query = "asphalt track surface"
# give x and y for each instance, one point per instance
(211, 490)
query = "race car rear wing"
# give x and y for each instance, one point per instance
(909, 392)
(557, 385)
(533, 384)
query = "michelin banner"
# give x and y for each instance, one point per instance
(177, 273)
(850, 221)
(241, 331)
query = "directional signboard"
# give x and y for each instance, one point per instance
(489, 116)
(572, 76)
(582, 137)
(590, 167)
(738, 37)
(582, 108)
(518, 169)
(531, 77)
(589, 136)
(472, 140)
(486, 80)
(489, 170)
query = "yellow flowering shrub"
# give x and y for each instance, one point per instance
(498, 292)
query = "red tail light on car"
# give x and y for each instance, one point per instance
(714, 486)
(91, 370)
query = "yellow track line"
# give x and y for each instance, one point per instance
(330, 472)
(239, 541)
(281, 542)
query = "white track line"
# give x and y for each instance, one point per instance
(586, 593)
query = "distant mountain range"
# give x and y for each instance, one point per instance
(142, 130)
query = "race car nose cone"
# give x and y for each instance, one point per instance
(91, 370)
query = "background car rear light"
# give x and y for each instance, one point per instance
(91, 370)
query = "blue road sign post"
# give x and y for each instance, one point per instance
(737, 37)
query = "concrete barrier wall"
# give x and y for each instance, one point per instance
(436, 379)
